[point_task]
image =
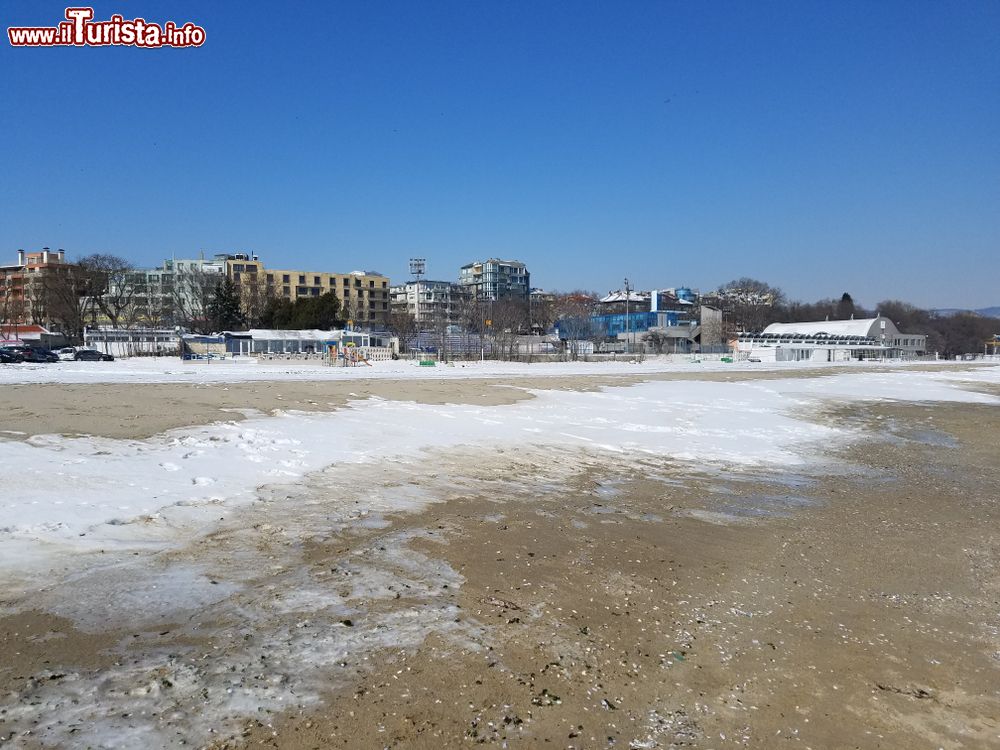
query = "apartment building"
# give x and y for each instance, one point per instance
(21, 298)
(364, 295)
(496, 279)
(429, 302)
(177, 292)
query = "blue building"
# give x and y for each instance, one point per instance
(635, 322)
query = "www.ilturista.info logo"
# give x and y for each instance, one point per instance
(80, 30)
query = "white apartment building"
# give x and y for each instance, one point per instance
(496, 279)
(178, 290)
(429, 302)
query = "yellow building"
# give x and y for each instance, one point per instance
(364, 296)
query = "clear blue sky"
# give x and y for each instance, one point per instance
(822, 147)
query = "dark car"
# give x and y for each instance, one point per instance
(92, 355)
(35, 353)
(9, 356)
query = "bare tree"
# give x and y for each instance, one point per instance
(191, 297)
(351, 308)
(543, 314)
(508, 318)
(441, 325)
(152, 307)
(573, 313)
(64, 295)
(35, 300)
(470, 315)
(12, 309)
(752, 304)
(111, 283)
(255, 295)
(403, 326)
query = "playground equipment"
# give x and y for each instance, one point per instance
(353, 356)
(350, 355)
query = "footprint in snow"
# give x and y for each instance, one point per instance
(202, 481)
(167, 466)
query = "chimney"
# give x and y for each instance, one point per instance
(45, 255)
(20, 257)
(654, 301)
(61, 254)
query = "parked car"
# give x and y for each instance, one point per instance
(92, 355)
(10, 356)
(66, 354)
(36, 353)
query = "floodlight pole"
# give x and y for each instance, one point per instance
(417, 268)
(628, 325)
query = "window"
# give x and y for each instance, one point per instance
(270, 278)
(237, 267)
(285, 290)
(371, 284)
(302, 278)
(285, 279)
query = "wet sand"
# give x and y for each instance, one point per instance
(600, 605)
(140, 410)
(864, 618)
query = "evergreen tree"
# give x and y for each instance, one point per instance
(277, 313)
(224, 308)
(321, 312)
(845, 308)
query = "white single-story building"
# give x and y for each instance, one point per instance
(831, 341)
(261, 342)
(132, 342)
(258, 341)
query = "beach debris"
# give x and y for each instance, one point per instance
(494, 601)
(914, 692)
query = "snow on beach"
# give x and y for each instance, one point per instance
(173, 370)
(88, 492)
(259, 630)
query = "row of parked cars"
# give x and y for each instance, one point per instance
(25, 353)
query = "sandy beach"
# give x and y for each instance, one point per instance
(138, 410)
(828, 580)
